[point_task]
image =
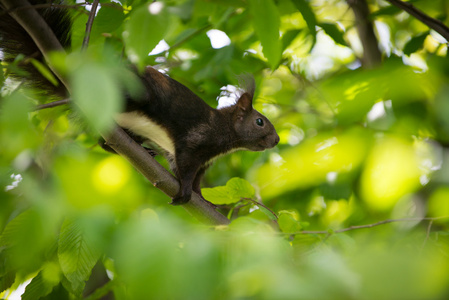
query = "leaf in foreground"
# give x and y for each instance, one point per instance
(76, 255)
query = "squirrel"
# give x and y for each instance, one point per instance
(189, 131)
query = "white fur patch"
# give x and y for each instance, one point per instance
(143, 126)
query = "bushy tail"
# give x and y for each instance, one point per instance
(15, 41)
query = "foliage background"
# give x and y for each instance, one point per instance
(363, 139)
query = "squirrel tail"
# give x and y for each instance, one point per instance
(15, 41)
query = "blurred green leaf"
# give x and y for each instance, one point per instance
(45, 71)
(309, 163)
(266, 23)
(79, 30)
(2, 78)
(415, 43)
(336, 191)
(97, 95)
(147, 26)
(388, 10)
(16, 131)
(438, 203)
(24, 238)
(309, 16)
(287, 222)
(288, 37)
(333, 31)
(108, 19)
(76, 255)
(248, 224)
(38, 288)
(7, 280)
(391, 172)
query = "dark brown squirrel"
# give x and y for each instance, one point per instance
(189, 131)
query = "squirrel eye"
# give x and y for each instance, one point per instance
(259, 122)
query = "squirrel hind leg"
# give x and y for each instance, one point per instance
(102, 143)
(197, 185)
(180, 199)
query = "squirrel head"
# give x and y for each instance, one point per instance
(255, 132)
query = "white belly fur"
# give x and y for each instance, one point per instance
(143, 126)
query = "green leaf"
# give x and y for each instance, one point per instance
(25, 239)
(234, 191)
(2, 78)
(19, 229)
(218, 195)
(76, 255)
(309, 16)
(288, 37)
(415, 43)
(147, 26)
(288, 221)
(267, 212)
(7, 280)
(333, 31)
(97, 95)
(336, 191)
(78, 30)
(266, 21)
(38, 287)
(240, 187)
(386, 11)
(45, 71)
(246, 224)
(108, 19)
(14, 110)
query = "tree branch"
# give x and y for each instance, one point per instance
(124, 145)
(371, 54)
(45, 39)
(37, 28)
(37, 6)
(432, 23)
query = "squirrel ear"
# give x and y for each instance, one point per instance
(245, 102)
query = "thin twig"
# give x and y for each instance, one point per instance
(89, 24)
(261, 204)
(429, 227)
(365, 226)
(432, 23)
(53, 104)
(187, 38)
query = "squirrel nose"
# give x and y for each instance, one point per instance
(276, 139)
